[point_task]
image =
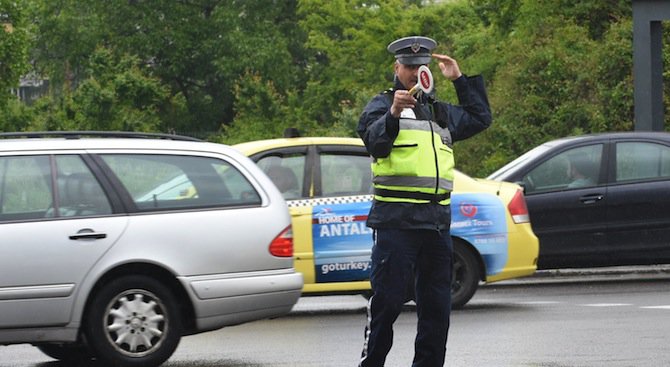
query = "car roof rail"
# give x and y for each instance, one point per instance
(96, 134)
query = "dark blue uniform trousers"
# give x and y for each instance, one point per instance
(396, 256)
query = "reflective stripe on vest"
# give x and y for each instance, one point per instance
(419, 182)
(421, 152)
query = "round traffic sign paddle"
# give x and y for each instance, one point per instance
(424, 82)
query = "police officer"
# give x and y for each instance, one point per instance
(410, 139)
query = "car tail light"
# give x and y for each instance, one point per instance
(518, 209)
(282, 245)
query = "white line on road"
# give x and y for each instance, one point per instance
(657, 307)
(607, 304)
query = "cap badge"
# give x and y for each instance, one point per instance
(416, 46)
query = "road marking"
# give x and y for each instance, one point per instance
(660, 307)
(657, 307)
(607, 304)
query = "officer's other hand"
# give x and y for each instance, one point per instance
(401, 100)
(448, 66)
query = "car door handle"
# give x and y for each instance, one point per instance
(590, 199)
(88, 234)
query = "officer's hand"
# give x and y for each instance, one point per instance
(401, 100)
(448, 66)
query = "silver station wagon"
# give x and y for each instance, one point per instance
(101, 257)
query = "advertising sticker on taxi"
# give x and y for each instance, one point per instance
(480, 219)
(341, 242)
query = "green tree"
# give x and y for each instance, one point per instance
(242, 70)
(559, 73)
(347, 43)
(198, 49)
(613, 75)
(66, 33)
(14, 45)
(262, 111)
(201, 48)
(119, 96)
(116, 95)
(345, 64)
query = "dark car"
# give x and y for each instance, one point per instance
(598, 200)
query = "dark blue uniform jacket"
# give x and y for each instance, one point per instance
(378, 129)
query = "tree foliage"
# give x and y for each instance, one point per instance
(237, 70)
(197, 49)
(565, 69)
(14, 45)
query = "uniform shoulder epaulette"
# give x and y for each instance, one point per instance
(388, 94)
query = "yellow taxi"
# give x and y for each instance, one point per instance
(327, 185)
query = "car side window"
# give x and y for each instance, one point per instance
(636, 161)
(162, 182)
(25, 187)
(345, 174)
(287, 172)
(79, 193)
(574, 168)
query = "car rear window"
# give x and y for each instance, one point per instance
(639, 161)
(163, 182)
(287, 172)
(345, 174)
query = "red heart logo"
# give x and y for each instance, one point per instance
(468, 210)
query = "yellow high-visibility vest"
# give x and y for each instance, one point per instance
(420, 168)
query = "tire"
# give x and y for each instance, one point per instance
(465, 278)
(72, 353)
(133, 321)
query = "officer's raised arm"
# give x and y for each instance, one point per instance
(448, 66)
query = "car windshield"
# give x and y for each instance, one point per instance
(502, 173)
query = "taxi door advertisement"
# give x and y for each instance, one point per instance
(342, 242)
(480, 220)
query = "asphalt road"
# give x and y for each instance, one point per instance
(609, 317)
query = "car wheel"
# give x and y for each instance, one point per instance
(66, 352)
(465, 278)
(133, 321)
